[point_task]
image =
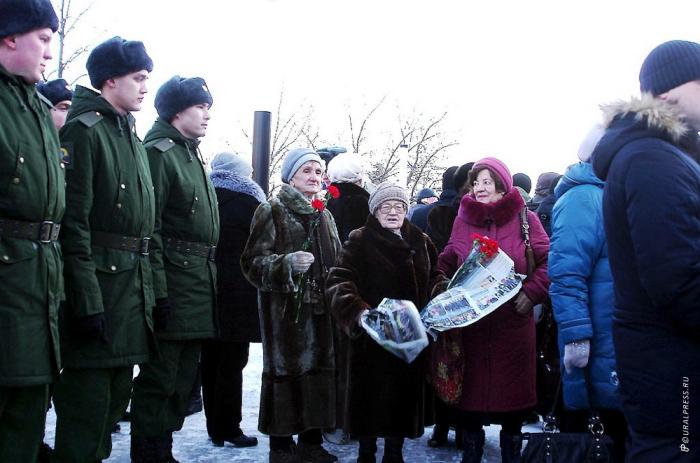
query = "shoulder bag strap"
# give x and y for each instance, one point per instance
(529, 254)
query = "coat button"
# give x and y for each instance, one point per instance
(62, 165)
(185, 263)
(15, 180)
(196, 198)
(122, 186)
(119, 205)
(97, 113)
(113, 268)
(5, 257)
(192, 211)
(21, 160)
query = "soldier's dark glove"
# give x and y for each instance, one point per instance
(161, 314)
(90, 327)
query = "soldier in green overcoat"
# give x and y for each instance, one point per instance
(110, 213)
(184, 272)
(31, 208)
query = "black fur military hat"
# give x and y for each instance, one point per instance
(55, 91)
(179, 93)
(117, 57)
(20, 16)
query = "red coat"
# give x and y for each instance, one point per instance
(499, 350)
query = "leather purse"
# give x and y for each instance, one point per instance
(550, 446)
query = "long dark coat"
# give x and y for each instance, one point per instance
(237, 299)
(298, 383)
(648, 158)
(385, 395)
(499, 349)
(350, 210)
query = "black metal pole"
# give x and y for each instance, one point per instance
(261, 149)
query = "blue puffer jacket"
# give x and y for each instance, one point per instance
(582, 286)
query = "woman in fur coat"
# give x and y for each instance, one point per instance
(388, 257)
(298, 383)
(224, 357)
(497, 352)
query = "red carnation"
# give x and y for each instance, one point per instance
(334, 191)
(318, 205)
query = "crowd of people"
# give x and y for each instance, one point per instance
(116, 252)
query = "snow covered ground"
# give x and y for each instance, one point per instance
(192, 443)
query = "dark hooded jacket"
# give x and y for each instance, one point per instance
(651, 209)
(31, 190)
(186, 211)
(108, 190)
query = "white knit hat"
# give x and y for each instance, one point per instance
(231, 162)
(589, 142)
(346, 168)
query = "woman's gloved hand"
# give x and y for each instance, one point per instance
(523, 304)
(300, 261)
(576, 354)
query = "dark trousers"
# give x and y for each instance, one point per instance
(163, 387)
(511, 422)
(89, 402)
(222, 386)
(614, 424)
(22, 421)
(392, 446)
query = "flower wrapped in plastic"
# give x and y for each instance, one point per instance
(484, 282)
(396, 326)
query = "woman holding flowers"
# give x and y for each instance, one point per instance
(495, 357)
(387, 258)
(292, 244)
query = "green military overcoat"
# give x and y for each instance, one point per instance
(108, 190)
(186, 211)
(31, 190)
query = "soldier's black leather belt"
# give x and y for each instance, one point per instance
(43, 232)
(121, 242)
(191, 248)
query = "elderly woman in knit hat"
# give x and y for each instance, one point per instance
(497, 366)
(387, 258)
(298, 384)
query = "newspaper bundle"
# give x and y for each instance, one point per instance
(396, 326)
(481, 285)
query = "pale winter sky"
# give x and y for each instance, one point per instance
(521, 81)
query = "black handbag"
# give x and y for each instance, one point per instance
(550, 446)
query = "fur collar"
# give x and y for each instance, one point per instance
(473, 212)
(294, 200)
(410, 235)
(658, 114)
(237, 184)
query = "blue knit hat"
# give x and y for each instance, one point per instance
(20, 16)
(179, 93)
(669, 65)
(55, 91)
(117, 57)
(425, 193)
(295, 158)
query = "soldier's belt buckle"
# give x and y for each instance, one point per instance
(145, 245)
(46, 230)
(212, 253)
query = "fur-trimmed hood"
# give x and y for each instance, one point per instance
(637, 118)
(473, 212)
(237, 184)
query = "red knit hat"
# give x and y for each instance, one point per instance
(498, 168)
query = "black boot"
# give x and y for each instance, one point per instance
(511, 446)
(473, 443)
(393, 450)
(143, 450)
(166, 449)
(368, 449)
(439, 437)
